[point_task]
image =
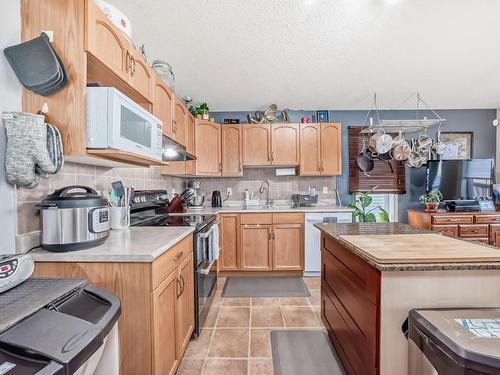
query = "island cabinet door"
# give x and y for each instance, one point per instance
(285, 144)
(288, 254)
(310, 150)
(256, 144)
(495, 234)
(165, 356)
(229, 243)
(256, 247)
(185, 304)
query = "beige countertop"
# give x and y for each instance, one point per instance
(137, 244)
(400, 247)
(278, 208)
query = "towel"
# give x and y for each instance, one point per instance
(214, 247)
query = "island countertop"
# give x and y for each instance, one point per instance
(400, 247)
(136, 244)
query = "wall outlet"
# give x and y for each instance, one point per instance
(173, 192)
(229, 191)
(325, 189)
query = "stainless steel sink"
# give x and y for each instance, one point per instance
(264, 208)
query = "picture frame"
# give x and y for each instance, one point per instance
(322, 116)
(458, 145)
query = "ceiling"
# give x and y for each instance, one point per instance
(325, 54)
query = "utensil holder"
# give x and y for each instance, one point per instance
(120, 217)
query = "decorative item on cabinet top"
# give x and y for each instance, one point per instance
(269, 116)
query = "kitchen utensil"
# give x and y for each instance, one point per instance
(216, 199)
(415, 159)
(46, 76)
(424, 142)
(385, 156)
(380, 142)
(439, 146)
(401, 151)
(176, 204)
(270, 113)
(74, 218)
(118, 188)
(364, 160)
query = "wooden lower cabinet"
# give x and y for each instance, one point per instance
(477, 227)
(262, 242)
(165, 358)
(157, 302)
(256, 246)
(229, 242)
(288, 251)
(185, 304)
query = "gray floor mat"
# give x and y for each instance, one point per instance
(304, 352)
(257, 287)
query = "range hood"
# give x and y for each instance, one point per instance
(173, 151)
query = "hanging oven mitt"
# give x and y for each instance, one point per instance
(26, 147)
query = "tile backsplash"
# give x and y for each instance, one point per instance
(99, 178)
(28, 218)
(281, 187)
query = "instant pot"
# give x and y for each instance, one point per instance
(74, 218)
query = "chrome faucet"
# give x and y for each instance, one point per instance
(269, 202)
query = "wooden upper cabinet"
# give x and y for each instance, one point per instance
(103, 40)
(232, 150)
(208, 148)
(331, 150)
(185, 305)
(256, 144)
(229, 243)
(288, 254)
(163, 105)
(310, 150)
(190, 143)
(165, 357)
(285, 144)
(141, 75)
(256, 247)
(179, 121)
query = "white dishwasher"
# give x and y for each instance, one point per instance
(312, 266)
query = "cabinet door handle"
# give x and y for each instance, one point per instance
(268, 156)
(179, 287)
(272, 156)
(240, 167)
(179, 256)
(183, 284)
(127, 61)
(274, 235)
(270, 234)
(220, 167)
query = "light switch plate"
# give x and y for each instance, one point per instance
(50, 34)
(325, 189)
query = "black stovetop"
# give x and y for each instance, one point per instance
(175, 220)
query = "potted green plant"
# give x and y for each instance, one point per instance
(431, 200)
(362, 214)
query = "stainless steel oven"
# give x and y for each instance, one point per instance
(205, 271)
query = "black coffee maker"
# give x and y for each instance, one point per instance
(216, 199)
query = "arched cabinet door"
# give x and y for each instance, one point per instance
(285, 144)
(208, 149)
(232, 150)
(256, 144)
(310, 150)
(331, 150)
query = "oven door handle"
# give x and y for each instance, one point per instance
(209, 231)
(206, 271)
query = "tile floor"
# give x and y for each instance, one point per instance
(236, 336)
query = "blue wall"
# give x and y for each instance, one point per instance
(475, 120)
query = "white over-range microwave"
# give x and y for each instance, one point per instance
(117, 122)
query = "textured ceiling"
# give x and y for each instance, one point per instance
(313, 54)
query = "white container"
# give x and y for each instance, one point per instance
(116, 16)
(120, 217)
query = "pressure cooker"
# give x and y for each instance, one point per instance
(74, 218)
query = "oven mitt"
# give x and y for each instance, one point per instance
(26, 148)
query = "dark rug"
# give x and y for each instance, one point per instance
(304, 352)
(256, 287)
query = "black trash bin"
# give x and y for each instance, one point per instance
(454, 341)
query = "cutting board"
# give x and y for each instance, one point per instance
(421, 248)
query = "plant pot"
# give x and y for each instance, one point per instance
(431, 206)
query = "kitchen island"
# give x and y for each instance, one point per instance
(373, 274)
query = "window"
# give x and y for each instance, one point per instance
(388, 202)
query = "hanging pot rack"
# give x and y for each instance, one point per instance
(402, 125)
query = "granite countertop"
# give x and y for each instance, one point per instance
(338, 231)
(278, 208)
(137, 244)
